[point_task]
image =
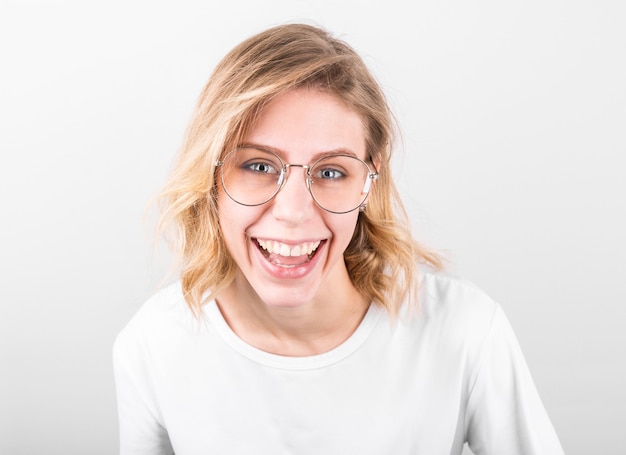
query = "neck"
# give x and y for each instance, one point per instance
(306, 329)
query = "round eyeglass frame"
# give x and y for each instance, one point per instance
(284, 174)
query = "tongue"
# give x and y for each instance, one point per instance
(288, 260)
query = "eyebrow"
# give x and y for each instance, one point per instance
(282, 154)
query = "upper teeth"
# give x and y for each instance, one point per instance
(285, 250)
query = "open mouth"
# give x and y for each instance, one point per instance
(288, 255)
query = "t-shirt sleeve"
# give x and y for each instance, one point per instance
(505, 414)
(140, 429)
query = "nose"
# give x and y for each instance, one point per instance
(293, 204)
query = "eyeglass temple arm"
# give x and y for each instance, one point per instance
(368, 182)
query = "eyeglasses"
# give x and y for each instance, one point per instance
(338, 183)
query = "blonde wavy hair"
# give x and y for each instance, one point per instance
(382, 257)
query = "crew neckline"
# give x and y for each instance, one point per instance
(356, 340)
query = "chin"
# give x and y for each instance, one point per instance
(286, 298)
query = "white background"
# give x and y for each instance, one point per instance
(512, 163)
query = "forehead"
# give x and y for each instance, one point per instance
(303, 123)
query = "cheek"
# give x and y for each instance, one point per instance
(343, 227)
(235, 219)
(229, 212)
(231, 219)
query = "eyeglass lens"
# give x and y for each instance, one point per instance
(338, 183)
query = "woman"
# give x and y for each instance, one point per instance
(307, 319)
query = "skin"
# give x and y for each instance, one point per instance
(295, 311)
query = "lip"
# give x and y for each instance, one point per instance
(291, 272)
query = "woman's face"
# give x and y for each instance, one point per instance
(299, 126)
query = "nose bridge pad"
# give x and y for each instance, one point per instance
(282, 178)
(308, 182)
(306, 173)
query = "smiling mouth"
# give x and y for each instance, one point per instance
(285, 255)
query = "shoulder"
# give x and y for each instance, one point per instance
(165, 305)
(156, 320)
(446, 294)
(454, 312)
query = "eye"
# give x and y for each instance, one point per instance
(329, 173)
(261, 167)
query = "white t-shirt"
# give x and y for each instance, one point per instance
(426, 383)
